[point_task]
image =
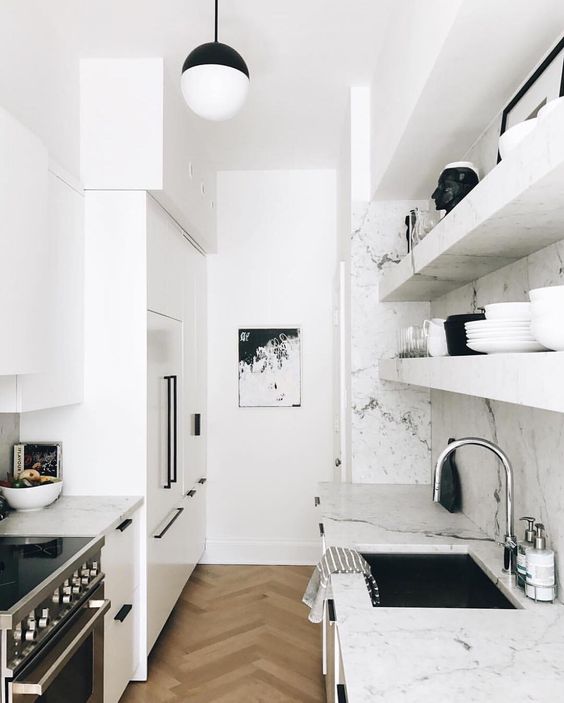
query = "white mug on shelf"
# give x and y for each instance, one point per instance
(436, 337)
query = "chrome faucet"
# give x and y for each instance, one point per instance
(510, 541)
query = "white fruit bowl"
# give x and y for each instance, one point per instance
(34, 497)
(511, 139)
(508, 311)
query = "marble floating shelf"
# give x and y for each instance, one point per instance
(511, 378)
(517, 209)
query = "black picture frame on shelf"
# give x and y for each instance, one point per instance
(551, 71)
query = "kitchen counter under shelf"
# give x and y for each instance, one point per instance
(425, 655)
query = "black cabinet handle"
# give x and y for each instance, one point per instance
(124, 525)
(202, 481)
(191, 493)
(341, 693)
(123, 612)
(316, 501)
(172, 430)
(331, 610)
(321, 530)
(197, 424)
(178, 513)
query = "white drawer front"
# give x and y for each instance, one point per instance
(120, 561)
(121, 639)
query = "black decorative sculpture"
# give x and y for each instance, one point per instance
(455, 182)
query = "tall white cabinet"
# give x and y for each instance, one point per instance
(145, 338)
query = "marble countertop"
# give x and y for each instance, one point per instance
(75, 516)
(440, 655)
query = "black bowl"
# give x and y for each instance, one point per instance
(456, 333)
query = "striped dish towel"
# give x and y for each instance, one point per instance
(336, 560)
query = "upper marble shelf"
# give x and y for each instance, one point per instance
(510, 378)
(516, 210)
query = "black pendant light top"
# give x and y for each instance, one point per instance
(215, 53)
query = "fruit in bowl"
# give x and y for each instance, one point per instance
(31, 491)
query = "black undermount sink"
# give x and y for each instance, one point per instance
(434, 581)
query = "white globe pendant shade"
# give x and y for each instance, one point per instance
(215, 81)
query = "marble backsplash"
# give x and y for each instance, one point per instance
(533, 439)
(391, 433)
(9, 435)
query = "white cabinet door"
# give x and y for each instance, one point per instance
(166, 263)
(25, 277)
(62, 381)
(165, 444)
(120, 563)
(196, 526)
(166, 569)
(195, 369)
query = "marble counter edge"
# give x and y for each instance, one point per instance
(72, 516)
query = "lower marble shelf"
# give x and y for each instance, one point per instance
(535, 380)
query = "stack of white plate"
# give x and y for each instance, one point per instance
(506, 329)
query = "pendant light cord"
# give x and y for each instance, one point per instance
(216, 1)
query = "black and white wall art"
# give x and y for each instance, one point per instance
(270, 367)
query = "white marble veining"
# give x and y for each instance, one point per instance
(74, 516)
(420, 655)
(390, 425)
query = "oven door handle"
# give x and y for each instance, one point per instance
(42, 676)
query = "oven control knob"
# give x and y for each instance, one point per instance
(67, 598)
(44, 619)
(85, 580)
(56, 597)
(76, 589)
(85, 572)
(67, 590)
(18, 633)
(30, 635)
(31, 624)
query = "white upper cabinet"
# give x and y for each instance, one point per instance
(25, 277)
(166, 263)
(121, 124)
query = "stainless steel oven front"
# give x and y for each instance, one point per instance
(69, 668)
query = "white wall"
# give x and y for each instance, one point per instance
(276, 266)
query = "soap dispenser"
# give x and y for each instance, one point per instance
(540, 583)
(522, 546)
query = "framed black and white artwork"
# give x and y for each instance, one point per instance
(270, 367)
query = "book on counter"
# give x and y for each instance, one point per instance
(45, 457)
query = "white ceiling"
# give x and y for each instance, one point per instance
(302, 55)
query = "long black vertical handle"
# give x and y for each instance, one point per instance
(175, 397)
(168, 433)
(197, 424)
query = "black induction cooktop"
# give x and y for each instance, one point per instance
(25, 562)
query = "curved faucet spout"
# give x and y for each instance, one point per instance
(510, 539)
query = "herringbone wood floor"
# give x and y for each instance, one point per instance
(238, 634)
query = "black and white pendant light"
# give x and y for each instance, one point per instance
(215, 80)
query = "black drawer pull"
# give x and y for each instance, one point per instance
(341, 693)
(321, 530)
(191, 494)
(331, 610)
(202, 481)
(124, 525)
(178, 513)
(197, 424)
(123, 612)
(316, 501)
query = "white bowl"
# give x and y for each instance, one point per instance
(34, 497)
(508, 311)
(549, 330)
(549, 107)
(511, 139)
(552, 294)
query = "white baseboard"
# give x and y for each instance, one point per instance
(262, 552)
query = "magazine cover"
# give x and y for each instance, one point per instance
(45, 457)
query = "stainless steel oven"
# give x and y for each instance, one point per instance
(68, 668)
